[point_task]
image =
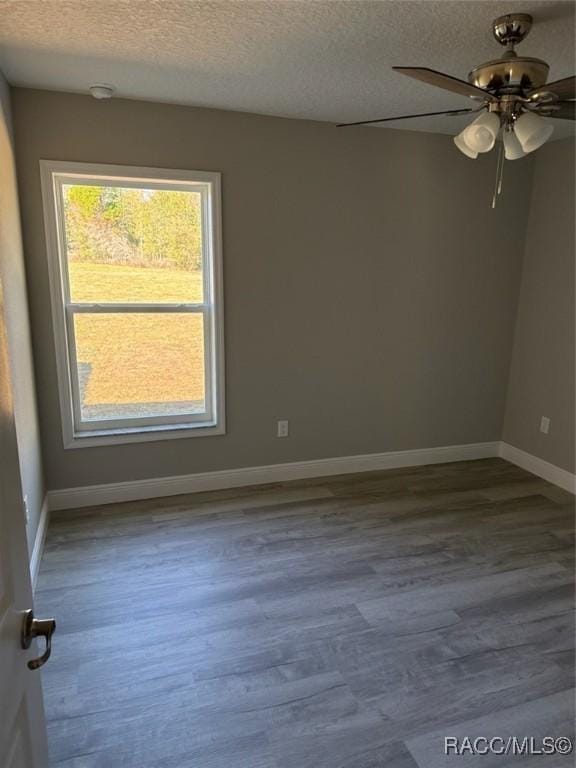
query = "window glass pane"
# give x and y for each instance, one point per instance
(140, 365)
(133, 245)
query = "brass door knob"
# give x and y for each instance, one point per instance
(32, 628)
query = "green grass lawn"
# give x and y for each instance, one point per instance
(138, 358)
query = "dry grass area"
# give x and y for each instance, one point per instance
(138, 358)
(116, 283)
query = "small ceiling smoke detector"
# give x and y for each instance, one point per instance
(101, 91)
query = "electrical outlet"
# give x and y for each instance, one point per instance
(26, 510)
(545, 425)
(282, 428)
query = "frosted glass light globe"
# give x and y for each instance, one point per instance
(480, 135)
(512, 147)
(463, 147)
(532, 131)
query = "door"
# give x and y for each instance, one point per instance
(22, 726)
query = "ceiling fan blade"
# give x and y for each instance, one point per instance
(562, 89)
(563, 110)
(408, 117)
(449, 83)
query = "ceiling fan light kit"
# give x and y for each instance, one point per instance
(510, 92)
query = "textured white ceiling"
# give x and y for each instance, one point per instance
(317, 59)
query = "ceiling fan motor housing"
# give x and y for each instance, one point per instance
(511, 74)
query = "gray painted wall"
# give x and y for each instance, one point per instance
(370, 289)
(543, 361)
(17, 324)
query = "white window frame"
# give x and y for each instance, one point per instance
(75, 432)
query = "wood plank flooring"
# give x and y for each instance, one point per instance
(347, 622)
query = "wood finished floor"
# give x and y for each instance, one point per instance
(347, 622)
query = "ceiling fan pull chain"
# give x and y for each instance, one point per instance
(502, 159)
(499, 174)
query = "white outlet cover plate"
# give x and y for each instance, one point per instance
(545, 425)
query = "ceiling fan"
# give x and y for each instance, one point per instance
(512, 95)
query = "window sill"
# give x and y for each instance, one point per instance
(92, 439)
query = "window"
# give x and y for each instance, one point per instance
(135, 275)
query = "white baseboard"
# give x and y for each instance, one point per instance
(544, 469)
(133, 490)
(38, 548)
(87, 496)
